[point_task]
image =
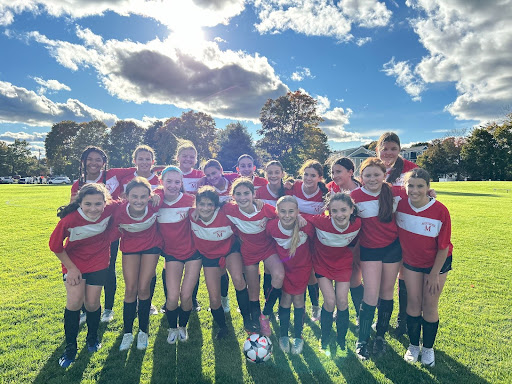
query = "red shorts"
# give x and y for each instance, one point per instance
(255, 257)
(339, 271)
(296, 280)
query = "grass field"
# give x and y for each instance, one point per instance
(473, 346)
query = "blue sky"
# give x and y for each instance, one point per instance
(421, 68)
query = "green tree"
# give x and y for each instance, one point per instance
(91, 133)
(479, 154)
(232, 142)
(443, 157)
(288, 129)
(502, 133)
(5, 169)
(20, 159)
(151, 139)
(59, 147)
(199, 128)
(122, 140)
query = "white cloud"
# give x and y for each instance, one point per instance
(302, 74)
(219, 40)
(20, 105)
(363, 40)
(225, 84)
(320, 17)
(32, 137)
(53, 85)
(469, 43)
(405, 77)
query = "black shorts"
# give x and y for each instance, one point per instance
(195, 256)
(92, 278)
(447, 266)
(389, 254)
(150, 251)
(208, 263)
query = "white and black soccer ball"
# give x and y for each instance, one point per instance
(257, 348)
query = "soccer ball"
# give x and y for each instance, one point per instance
(257, 349)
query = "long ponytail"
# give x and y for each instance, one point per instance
(386, 193)
(88, 189)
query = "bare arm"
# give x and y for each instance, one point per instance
(432, 279)
(74, 276)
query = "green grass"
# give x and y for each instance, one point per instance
(473, 346)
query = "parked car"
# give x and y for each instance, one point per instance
(26, 180)
(6, 180)
(60, 180)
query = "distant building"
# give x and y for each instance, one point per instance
(357, 155)
(413, 153)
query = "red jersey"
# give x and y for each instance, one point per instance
(174, 226)
(335, 188)
(256, 244)
(191, 180)
(408, 165)
(267, 195)
(374, 233)
(225, 192)
(137, 233)
(297, 268)
(112, 183)
(332, 257)
(153, 180)
(423, 231)
(310, 204)
(87, 241)
(214, 238)
(257, 181)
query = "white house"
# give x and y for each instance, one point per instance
(413, 153)
(357, 155)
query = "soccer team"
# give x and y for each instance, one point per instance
(311, 237)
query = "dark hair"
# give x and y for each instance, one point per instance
(244, 156)
(315, 164)
(242, 181)
(277, 163)
(82, 177)
(346, 163)
(344, 197)
(386, 193)
(213, 163)
(208, 192)
(87, 189)
(398, 167)
(137, 182)
(417, 173)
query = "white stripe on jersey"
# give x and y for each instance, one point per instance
(338, 240)
(213, 233)
(172, 215)
(287, 243)
(270, 202)
(111, 184)
(225, 198)
(371, 208)
(310, 207)
(249, 227)
(89, 230)
(140, 226)
(423, 226)
(190, 184)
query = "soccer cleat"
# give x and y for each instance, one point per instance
(195, 305)
(297, 346)
(93, 345)
(162, 310)
(379, 346)
(251, 327)
(412, 354)
(68, 356)
(222, 333)
(83, 318)
(107, 316)
(153, 310)
(374, 327)
(362, 350)
(427, 357)
(315, 313)
(127, 341)
(224, 300)
(182, 334)
(265, 325)
(173, 336)
(142, 340)
(284, 344)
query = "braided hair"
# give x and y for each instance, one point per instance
(82, 177)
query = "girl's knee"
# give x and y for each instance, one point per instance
(342, 304)
(238, 282)
(329, 303)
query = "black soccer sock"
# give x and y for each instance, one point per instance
(402, 303)
(164, 284)
(172, 317)
(366, 314)
(184, 316)
(194, 295)
(110, 286)
(326, 325)
(313, 294)
(129, 310)
(224, 285)
(342, 325)
(93, 322)
(152, 285)
(298, 322)
(383, 316)
(414, 329)
(71, 324)
(219, 317)
(255, 309)
(284, 321)
(429, 333)
(242, 297)
(144, 306)
(273, 294)
(267, 283)
(357, 294)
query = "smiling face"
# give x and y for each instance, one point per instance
(187, 159)
(138, 199)
(388, 152)
(341, 176)
(372, 178)
(244, 198)
(93, 164)
(93, 206)
(172, 183)
(214, 176)
(274, 174)
(417, 190)
(340, 213)
(143, 161)
(311, 178)
(246, 167)
(287, 213)
(205, 209)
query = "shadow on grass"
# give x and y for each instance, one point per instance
(441, 193)
(228, 360)
(164, 356)
(311, 370)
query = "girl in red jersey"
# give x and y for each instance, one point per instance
(84, 226)
(388, 150)
(140, 245)
(246, 168)
(310, 192)
(186, 156)
(332, 262)
(424, 228)
(181, 257)
(293, 248)
(380, 252)
(342, 174)
(256, 246)
(214, 239)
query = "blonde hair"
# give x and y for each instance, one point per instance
(295, 238)
(143, 148)
(183, 145)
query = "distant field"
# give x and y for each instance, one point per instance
(474, 343)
